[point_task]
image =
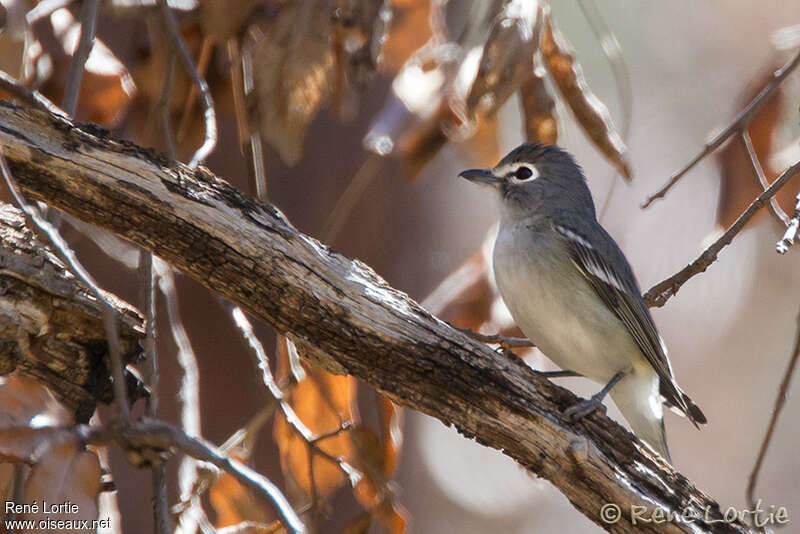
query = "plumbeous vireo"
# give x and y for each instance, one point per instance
(571, 291)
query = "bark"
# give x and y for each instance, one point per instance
(349, 318)
(51, 326)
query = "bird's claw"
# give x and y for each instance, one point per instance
(584, 408)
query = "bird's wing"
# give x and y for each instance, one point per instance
(600, 260)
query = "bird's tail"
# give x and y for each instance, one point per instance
(680, 403)
(637, 397)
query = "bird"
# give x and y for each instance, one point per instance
(573, 293)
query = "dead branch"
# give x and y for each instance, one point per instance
(250, 254)
(739, 124)
(658, 295)
(51, 325)
(780, 401)
(152, 438)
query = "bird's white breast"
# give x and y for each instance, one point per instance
(555, 306)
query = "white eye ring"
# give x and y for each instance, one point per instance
(512, 172)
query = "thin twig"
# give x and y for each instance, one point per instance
(738, 125)
(497, 339)
(658, 295)
(209, 115)
(189, 394)
(110, 319)
(75, 75)
(34, 98)
(147, 288)
(202, 65)
(256, 151)
(780, 401)
(790, 235)
(159, 435)
(237, 440)
(762, 177)
(262, 362)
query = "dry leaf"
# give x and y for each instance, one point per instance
(293, 73)
(29, 445)
(25, 401)
(538, 109)
(377, 457)
(507, 56)
(233, 503)
(67, 473)
(409, 29)
(589, 111)
(739, 184)
(323, 402)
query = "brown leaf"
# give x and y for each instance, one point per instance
(29, 445)
(22, 399)
(409, 29)
(232, 502)
(538, 109)
(589, 111)
(377, 457)
(323, 402)
(507, 56)
(293, 74)
(739, 184)
(67, 473)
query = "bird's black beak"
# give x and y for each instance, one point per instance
(480, 176)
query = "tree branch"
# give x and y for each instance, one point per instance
(51, 325)
(250, 254)
(739, 124)
(658, 295)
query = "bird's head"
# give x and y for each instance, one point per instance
(533, 176)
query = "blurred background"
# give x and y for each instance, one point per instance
(374, 175)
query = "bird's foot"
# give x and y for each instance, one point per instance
(584, 408)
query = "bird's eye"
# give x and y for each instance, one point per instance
(523, 173)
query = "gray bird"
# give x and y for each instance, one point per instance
(571, 291)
